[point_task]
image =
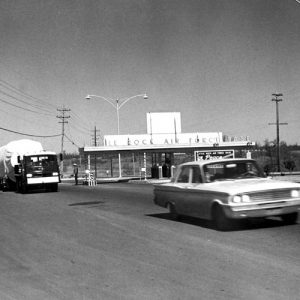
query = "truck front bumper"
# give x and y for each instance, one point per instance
(42, 180)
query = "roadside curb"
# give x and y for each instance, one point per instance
(118, 179)
(150, 181)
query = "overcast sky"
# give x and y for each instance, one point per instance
(216, 62)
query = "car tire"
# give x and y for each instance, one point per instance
(290, 219)
(172, 211)
(221, 222)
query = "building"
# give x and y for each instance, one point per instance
(161, 149)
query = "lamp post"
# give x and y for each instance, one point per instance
(117, 105)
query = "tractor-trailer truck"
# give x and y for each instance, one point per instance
(24, 165)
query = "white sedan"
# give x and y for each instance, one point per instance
(226, 189)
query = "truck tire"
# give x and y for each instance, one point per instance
(54, 187)
(23, 188)
(19, 186)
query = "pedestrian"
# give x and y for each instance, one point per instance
(75, 172)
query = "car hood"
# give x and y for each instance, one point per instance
(248, 185)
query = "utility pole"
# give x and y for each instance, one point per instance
(95, 144)
(95, 136)
(63, 121)
(277, 99)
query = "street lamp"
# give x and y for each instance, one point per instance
(119, 103)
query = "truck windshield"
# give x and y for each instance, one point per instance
(41, 163)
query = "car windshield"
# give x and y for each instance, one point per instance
(231, 170)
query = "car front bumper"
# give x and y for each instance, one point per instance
(262, 209)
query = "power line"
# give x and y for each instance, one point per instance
(71, 141)
(80, 119)
(78, 129)
(20, 94)
(79, 124)
(72, 138)
(27, 134)
(18, 91)
(23, 108)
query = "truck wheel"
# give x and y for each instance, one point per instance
(23, 188)
(222, 223)
(19, 184)
(290, 219)
(54, 187)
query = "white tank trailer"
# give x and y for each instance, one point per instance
(24, 165)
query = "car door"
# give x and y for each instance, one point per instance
(188, 196)
(181, 194)
(196, 205)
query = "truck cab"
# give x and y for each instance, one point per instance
(37, 171)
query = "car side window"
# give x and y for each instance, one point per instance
(184, 175)
(196, 178)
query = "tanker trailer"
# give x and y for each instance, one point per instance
(25, 165)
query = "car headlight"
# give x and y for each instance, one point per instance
(28, 175)
(237, 199)
(55, 173)
(241, 199)
(295, 193)
(245, 198)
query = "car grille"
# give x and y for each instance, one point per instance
(271, 195)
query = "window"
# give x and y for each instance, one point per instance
(231, 170)
(184, 175)
(196, 175)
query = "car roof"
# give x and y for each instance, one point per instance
(209, 161)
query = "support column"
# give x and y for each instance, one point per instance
(120, 167)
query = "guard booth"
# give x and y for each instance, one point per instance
(161, 149)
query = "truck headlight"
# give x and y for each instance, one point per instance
(295, 193)
(55, 173)
(28, 175)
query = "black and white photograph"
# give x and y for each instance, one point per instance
(149, 149)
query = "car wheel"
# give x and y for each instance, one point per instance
(290, 219)
(172, 211)
(221, 221)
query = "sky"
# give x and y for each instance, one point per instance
(216, 62)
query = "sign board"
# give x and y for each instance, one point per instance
(163, 123)
(213, 154)
(196, 138)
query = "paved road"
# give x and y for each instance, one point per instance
(111, 242)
